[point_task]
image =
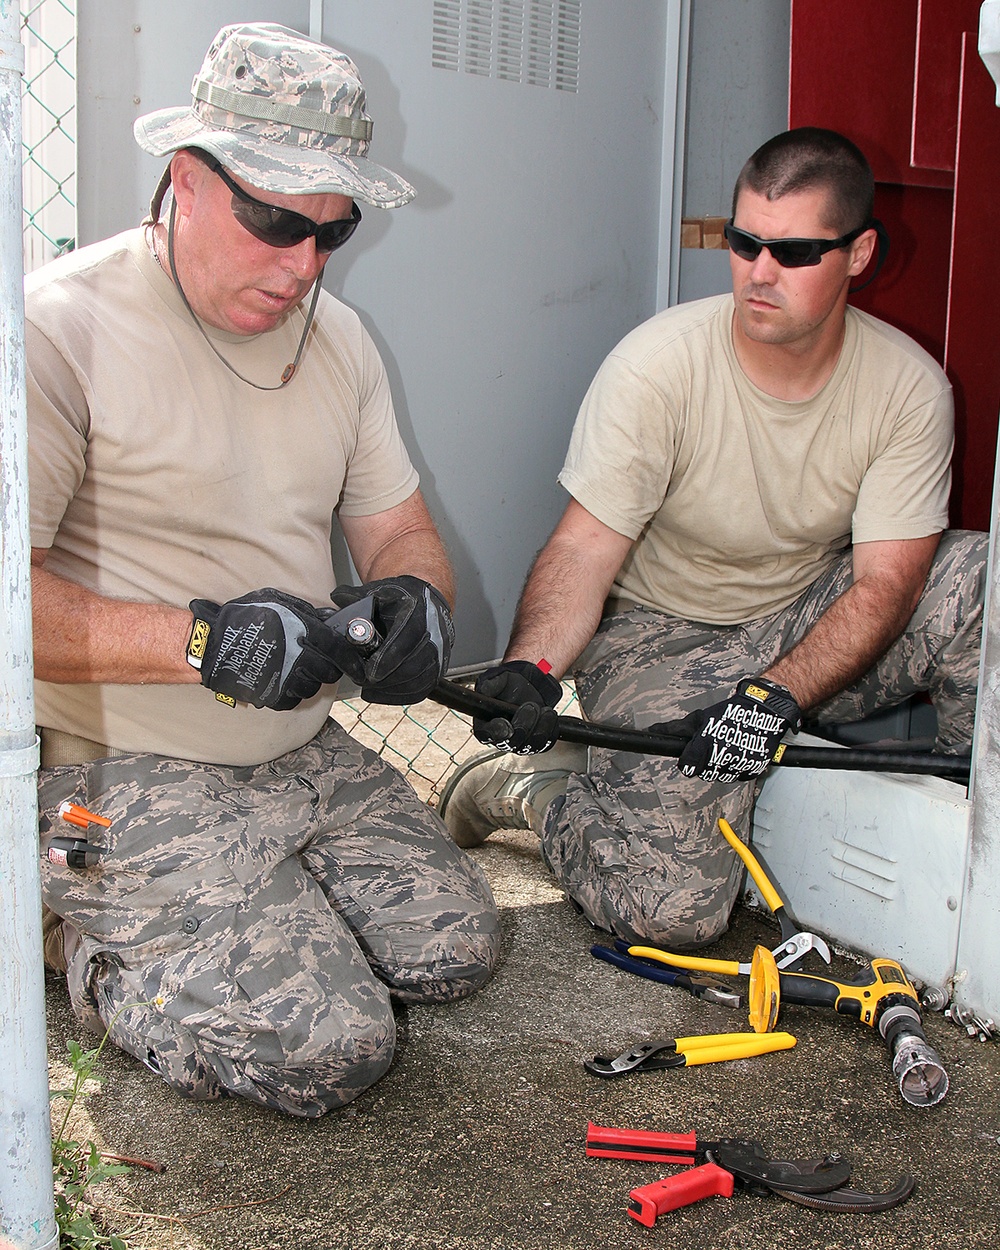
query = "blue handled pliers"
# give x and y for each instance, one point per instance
(702, 985)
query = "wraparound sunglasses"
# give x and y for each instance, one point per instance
(280, 227)
(789, 253)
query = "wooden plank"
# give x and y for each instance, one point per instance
(940, 24)
(852, 69)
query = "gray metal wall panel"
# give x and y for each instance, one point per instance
(737, 99)
(529, 251)
(134, 56)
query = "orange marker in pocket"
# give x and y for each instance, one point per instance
(73, 814)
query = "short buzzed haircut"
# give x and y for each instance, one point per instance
(809, 158)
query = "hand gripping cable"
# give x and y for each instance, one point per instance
(459, 698)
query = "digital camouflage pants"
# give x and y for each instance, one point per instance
(247, 926)
(634, 843)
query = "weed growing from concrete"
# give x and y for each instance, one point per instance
(78, 1166)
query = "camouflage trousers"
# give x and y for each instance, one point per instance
(247, 927)
(635, 843)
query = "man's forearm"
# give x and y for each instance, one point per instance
(561, 604)
(401, 540)
(559, 610)
(82, 637)
(847, 640)
(554, 621)
(419, 553)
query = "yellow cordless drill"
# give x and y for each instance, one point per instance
(882, 997)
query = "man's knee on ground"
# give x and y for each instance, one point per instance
(674, 933)
(313, 1087)
(441, 967)
(303, 1051)
(645, 913)
(339, 1063)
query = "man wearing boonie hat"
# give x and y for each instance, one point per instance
(201, 414)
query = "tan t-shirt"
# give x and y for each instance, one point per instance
(157, 476)
(739, 501)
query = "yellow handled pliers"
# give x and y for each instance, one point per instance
(686, 1052)
(764, 968)
(788, 955)
(765, 982)
(794, 942)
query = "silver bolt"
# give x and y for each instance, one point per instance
(934, 998)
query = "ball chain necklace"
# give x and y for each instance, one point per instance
(289, 370)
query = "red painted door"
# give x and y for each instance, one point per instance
(904, 80)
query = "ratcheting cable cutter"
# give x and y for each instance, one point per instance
(719, 1167)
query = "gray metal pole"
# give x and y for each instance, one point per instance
(27, 1221)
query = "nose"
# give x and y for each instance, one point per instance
(764, 269)
(303, 260)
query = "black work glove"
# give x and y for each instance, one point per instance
(416, 634)
(739, 738)
(265, 648)
(534, 726)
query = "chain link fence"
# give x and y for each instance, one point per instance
(48, 118)
(424, 741)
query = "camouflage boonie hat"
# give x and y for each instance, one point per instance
(282, 111)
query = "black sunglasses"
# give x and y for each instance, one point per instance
(789, 253)
(280, 227)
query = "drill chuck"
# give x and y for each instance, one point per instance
(917, 1067)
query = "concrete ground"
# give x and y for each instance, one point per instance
(475, 1138)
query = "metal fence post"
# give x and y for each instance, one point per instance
(27, 1221)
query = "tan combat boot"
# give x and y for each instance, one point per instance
(499, 790)
(54, 951)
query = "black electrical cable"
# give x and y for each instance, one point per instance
(571, 729)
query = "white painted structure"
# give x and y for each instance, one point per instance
(26, 1206)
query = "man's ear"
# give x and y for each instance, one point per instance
(862, 251)
(187, 173)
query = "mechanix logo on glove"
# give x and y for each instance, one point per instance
(266, 648)
(249, 657)
(198, 642)
(738, 739)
